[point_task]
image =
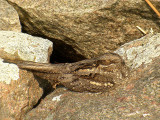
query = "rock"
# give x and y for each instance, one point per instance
(84, 29)
(140, 52)
(9, 19)
(14, 45)
(137, 98)
(20, 91)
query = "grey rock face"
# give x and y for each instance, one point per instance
(140, 51)
(14, 45)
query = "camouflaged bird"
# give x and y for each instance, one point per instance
(93, 75)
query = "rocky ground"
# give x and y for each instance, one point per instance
(77, 30)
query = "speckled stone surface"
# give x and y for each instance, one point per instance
(137, 98)
(140, 51)
(19, 90)
(8, 72)
(14, 45)
(18, 95)
(85, 29)
(9, 19)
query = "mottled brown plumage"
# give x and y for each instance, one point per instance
(93, 75)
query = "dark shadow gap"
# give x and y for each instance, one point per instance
(62, 52)
(47, 89)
